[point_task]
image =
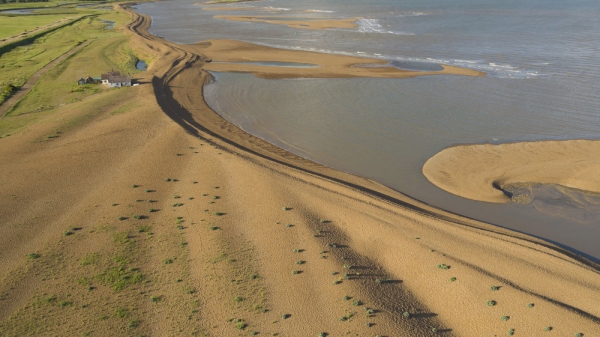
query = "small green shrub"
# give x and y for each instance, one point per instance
(238, 299)
(33, 256)
(494, 288)
(548, 328)
(452, 279)
(530, 305)
(491, 303)
(406, 314)
(511, 332)
(505, 318)
(443, 266)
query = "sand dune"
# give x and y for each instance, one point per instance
(237, 236)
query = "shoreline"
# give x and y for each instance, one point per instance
(181, 69)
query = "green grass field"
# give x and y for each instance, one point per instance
(14, 25)
(108, 50)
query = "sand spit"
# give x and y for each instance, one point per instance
(215, 232)
(480, 172)
(295, 22)
(235, 53)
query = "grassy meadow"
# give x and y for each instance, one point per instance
(107, 50)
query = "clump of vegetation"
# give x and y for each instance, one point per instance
(548, 328)
(219, 214)
(530, 305)
(443, 266)
(494, 288)
(33, 256)
(167, 261)
(406, 314)
(296, 272)
(155, 299)
(238, 299)
(491, 303)
(511, 332)
(120, 275)
(452, 279)
(505, 318)
(357, 303)
(7, 91)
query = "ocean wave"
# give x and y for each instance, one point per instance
(493, 69)
(318, 11)
(413, 14)
(374, 26)
(271, 8)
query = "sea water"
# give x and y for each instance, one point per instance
(542, 58)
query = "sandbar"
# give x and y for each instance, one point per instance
(294, 22)
(234, 54)
(481, 171)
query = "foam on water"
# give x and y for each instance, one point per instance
(374, 26)
(318, 11)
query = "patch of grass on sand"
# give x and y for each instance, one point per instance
(119, 275)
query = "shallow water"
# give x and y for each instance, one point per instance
(141, 65)
(541, 57)
(18, 11)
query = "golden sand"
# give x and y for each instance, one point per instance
(471, 171)
(347, 236)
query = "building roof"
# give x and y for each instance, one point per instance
(109, 74)
(119, 79)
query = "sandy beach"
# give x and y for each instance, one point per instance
(236, 236)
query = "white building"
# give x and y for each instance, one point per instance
(114, 79)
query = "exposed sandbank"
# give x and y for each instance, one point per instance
(329, 65)
(294, 22)
(479, 172)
